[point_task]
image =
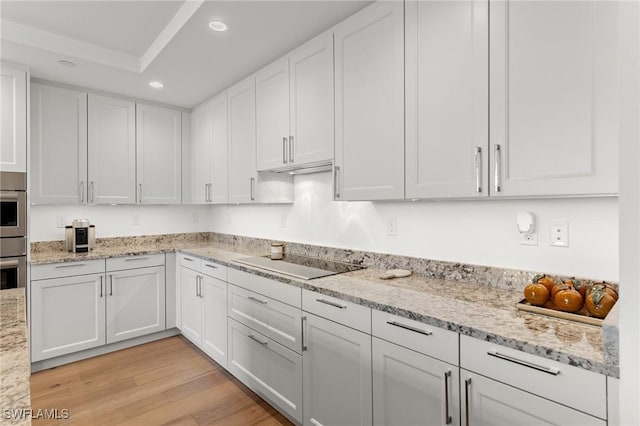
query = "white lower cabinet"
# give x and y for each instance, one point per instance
(203, 301)
(490, 403)
(67, 315)
(135, 303)
(337, 374)
(412, 389)
(266, 367)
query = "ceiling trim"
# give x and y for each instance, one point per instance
(45, 40)
(30, 36)
(181, 17)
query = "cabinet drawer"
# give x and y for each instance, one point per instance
(276, 320)
(340, 311)
(427, 339)
(572, 386)
(274, 289)
(132, 262)
(271, 370)
(189, 261)
(213, 269)
(67, 269)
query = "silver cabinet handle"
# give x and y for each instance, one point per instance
(91, 193)
(548, 370)
(140, 193)
(135, 259)
(336, 186)
(478, 169)
(284, 150)
(197, 285)
(70, 265)
(410, 328)
(200, 286)
(252, 337)
(496, 170)
(291, 149)
(101, 286)
(467, 385)
(255, 299)
(208, 265)
(82, 191)
(211, 193)
(253, 189)
(330, 303)
(110, 285)
(447, 414)
(188, 259)
(304, 321)
(206, 192)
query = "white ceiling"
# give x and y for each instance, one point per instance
(119, 46)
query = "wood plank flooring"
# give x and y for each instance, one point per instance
(167, 382)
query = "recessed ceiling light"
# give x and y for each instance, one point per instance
(156, 84)
(66, 63)
(218, 26)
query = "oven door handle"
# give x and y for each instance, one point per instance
(6, 195)
(5, 264)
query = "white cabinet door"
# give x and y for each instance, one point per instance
(242, 141)
(311, 101)
(369, 110)
(410, 388)
(487, 402)
(13, 134)
(135, 303)
(111, 151)
(67, 315)
(159, 161)
(219, 183)
(554, 98)
(191, 305)
(58, 145)
(200, 156)
(447, 99)
(337, 374)
(269, 369)
(272, 116)
(214, 325)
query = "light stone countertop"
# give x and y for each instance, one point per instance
(14, 357)
(479, 311)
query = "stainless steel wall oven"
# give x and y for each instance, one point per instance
(13, 230)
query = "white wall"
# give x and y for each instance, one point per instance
(114, 221)
(478, 232)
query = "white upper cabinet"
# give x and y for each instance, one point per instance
(242, 141)
(447, 112)
(554, 98)
(311, 101)
(272, 116)
(294, 107)
(159, 161)
(58, 145)
(208, 156)
(369, 104)
(111, 151)
(13, 134)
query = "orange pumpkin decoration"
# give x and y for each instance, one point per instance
(582, 287)
(599, 302)
(568, 299)
(536, 294)
(546, 281)
(607, 288)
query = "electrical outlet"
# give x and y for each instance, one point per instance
(60, 222)
(135, 219)
(560, 233)
(392, 226)
(195, 218)
(529, 239)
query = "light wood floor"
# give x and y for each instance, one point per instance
(168, 382)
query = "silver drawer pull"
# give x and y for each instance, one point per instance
(210, 266)
(71, 265)
(255, 299)
(410, 328)
(478, 169)
(548, 370)
(496, 170)
(252, 337)
(133, 259)
(330, 303)
(188, 259)
(447, 415)
(467, 385)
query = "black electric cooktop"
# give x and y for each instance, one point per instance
(306, 268)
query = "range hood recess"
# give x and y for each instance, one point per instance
(318, 167)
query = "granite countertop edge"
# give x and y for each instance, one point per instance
(225, 255)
